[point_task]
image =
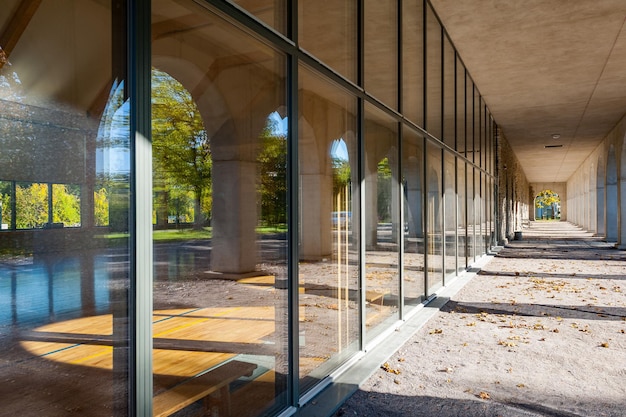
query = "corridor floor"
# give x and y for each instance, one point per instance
(539, 331)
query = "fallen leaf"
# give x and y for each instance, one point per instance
(604, 345)
(484, 395)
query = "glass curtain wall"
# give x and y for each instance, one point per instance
(329, 324)
(64, 198)
(308, 181)
(382, 221)
(219, 133)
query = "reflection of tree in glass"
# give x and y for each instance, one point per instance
(272, 165)
(66, 204)
(384, 191)
(101, 207)
(31, 205)
(180, 144)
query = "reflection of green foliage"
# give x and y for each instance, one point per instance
(180, 144)
(101, 207)
(31, 206)
(272, 161)
(384, 191)
(341, 174)
(66, 205)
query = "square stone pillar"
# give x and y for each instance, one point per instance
(234, 217)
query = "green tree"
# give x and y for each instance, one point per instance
(181, 146)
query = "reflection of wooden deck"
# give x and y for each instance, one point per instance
(186, 364)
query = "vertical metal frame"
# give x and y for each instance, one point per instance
(401, 309)
(140, 309)
(361, 167)
(293, 384)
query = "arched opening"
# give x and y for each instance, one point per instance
(547, 206)
(600, 199)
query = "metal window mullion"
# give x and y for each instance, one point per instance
(140, 294)
(293, 386)
(361, 167)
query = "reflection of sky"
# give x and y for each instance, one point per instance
(339, 150)
(280, 124)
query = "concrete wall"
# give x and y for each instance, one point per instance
(597, 191)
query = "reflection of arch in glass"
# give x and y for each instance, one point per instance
(111, 193)
(547, 205)
(611, 196)
(181, 150)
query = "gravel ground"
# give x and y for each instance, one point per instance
(540, 331)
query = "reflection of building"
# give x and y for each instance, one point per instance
(393, 179)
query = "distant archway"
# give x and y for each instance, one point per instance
(547, 205)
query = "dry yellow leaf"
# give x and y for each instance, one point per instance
(484, 395)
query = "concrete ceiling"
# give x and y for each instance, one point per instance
(545, 67)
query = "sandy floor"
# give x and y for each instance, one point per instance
(540, 331)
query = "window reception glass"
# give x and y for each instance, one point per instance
(64, 280)
(329, 231)
(220, 197)
(382, 221)
(434, 221)
(413, 227)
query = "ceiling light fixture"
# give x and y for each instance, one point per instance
(556, 136)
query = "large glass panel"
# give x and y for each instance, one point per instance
(413, 193)
(382, 221)
(381, 50)
(461, 121)
(469, 118)
(461, 208)
(271, 12)
(63, 288)
(470, 214)
(433, 74)
(479, 213)
(434, 222)
(477, 127)
(328, 29)
(220, 241)
(413, 60)
(449, 93)
(329, 227)
(450, 212)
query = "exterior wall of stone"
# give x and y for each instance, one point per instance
(513, 193)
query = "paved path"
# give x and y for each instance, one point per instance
(539, 331)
